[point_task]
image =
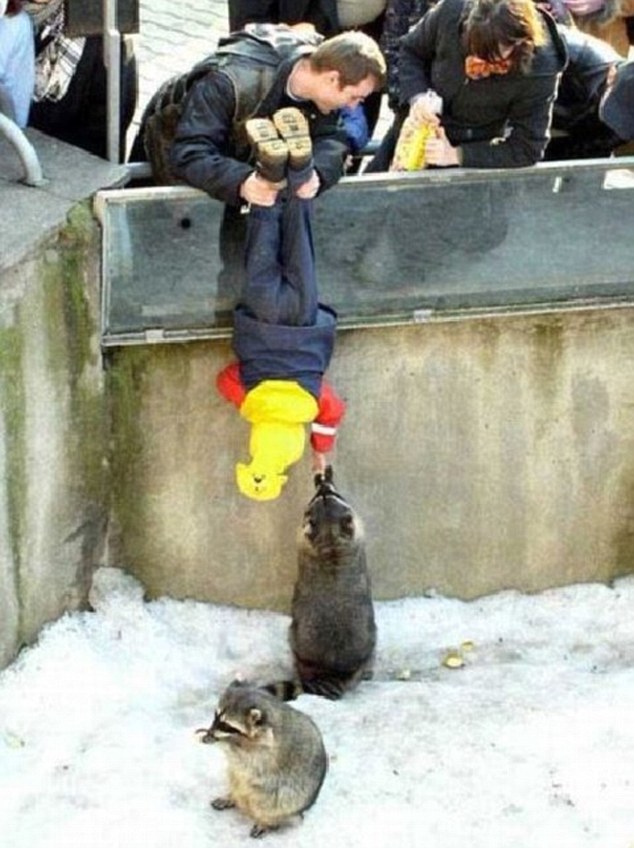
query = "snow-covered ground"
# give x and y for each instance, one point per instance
(529, 744)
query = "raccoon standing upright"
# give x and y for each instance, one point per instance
(333, 629)
(276, 756)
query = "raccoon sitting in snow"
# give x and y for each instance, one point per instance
(276, 756)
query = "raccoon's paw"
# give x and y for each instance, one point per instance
(324, 476)
(258, 830)
(222, 803)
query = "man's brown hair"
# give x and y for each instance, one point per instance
(354, 55)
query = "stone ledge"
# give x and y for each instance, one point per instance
(35, 213)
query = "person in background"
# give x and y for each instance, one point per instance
(70, 99)
(17, 63)
(616, 109)
(321, 13)
(400, 17)
(605, 19)
(496, 65)
(577, 129)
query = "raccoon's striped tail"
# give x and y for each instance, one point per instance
(332, 688)
(285, 690)
(289, 690)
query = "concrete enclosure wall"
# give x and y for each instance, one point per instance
(53, 432)
(54, 424)
(482, 454)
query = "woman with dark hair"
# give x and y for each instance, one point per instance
(16, 61)
(495, 64)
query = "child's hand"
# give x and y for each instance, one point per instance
(318, 462)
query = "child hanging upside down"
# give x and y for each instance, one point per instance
(283, 337)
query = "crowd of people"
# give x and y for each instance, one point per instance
(57, 83)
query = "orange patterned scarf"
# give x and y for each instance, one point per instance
(476, 68)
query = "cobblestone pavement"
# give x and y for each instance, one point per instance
(172, 37)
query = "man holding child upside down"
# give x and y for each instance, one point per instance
(261, 132)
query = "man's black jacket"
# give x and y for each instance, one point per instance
(209, 151)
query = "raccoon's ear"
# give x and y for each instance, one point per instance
(256, 716)
(328, 474)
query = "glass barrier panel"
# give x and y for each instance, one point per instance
(389, 248)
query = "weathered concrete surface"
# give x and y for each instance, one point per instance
(484, 454)
(53, 413)
(9, 606)
(36, 213)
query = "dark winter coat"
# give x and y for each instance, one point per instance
(400, 17)
(275, 351)
(80, 118)
(501, 121)
(578, 131)
(583, 82)
(209, 151)
(321, 13)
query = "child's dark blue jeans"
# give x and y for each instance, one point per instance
(281, 285)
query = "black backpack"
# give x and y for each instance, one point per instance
(263, 46)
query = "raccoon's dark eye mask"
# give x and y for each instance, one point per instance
(225, 727)
(219, 724)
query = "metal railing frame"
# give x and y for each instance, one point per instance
(112, 59)
(33, 175)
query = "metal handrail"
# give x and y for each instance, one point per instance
(143, 170)
(112, 59)
(33, 175)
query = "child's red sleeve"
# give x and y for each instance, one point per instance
(323, 430)
(230, 385)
